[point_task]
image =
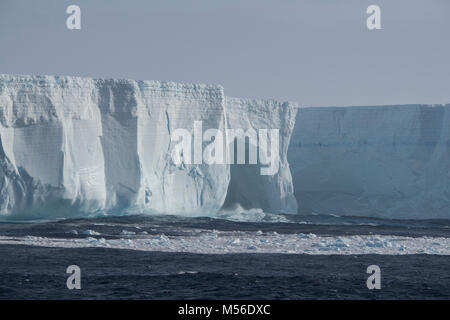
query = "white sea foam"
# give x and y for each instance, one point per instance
(91, 233)
(219, 242)
(239, 214)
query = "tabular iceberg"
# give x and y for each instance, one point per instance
(72, 147)
(385, 161)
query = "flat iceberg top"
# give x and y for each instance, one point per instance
(376, 107)
(74, 81)
(27, 100)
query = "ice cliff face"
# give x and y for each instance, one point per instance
(387, 161)
(50, 155)
(79, 146)
(137, 119)
(74, 147)
(248, 188)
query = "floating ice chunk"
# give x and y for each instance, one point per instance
(187, 272)
(340, 243)
(91, 233)
(127, 233)
(161, 238)
(307, 236)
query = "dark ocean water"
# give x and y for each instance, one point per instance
(33, 272)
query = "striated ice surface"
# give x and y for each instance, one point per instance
(83, 147)
(74, 146)
(248, 188)
(385, 161)
(79, 147)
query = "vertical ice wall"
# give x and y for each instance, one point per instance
(51, 157)
(248, 187)
(73, 146)
(118, 102)
(166, 187)
(389, 161)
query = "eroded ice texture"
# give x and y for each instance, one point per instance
(78, 147)
(74, 146)
(248, 187)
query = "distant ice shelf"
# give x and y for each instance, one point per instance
(382, 161)
(79, 147)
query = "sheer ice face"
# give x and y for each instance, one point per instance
(74, 146)
(386, 161)
(141, 116)
(248, 188)
(51, 154)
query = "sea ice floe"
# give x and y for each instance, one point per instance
(221, 242)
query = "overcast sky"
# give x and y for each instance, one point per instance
(316, 52)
